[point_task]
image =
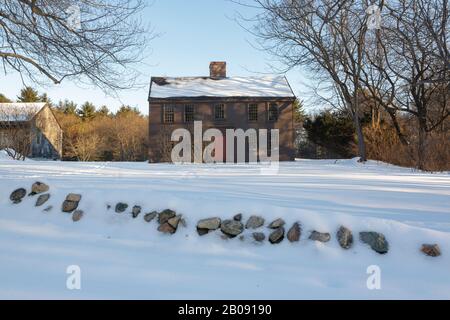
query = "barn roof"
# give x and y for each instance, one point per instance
(18, 111)
(195, 87)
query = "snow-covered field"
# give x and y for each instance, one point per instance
(121, 257)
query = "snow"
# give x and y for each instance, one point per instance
(5, 155)
(121, 257)
(19, 111)
(265, 86)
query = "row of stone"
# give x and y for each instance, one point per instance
(168, 219)
(169, 222)
(37, 188)
(69, 205)
(234, 227)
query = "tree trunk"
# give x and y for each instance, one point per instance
(421, 151)
(361, 142)
(400, 135)
(357, 122)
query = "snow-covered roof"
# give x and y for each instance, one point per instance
(190, 87)
(17, 111)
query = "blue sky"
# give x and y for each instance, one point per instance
(191, 34)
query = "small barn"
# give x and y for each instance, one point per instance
(30, 129)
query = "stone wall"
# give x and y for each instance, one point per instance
(256, 230)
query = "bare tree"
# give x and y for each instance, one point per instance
(90, 41)
(165, 144)
(408, 74)
(324, 37)
(85, 146)
(401, 66)
(15, 130)
(434, 15)
(130, 137)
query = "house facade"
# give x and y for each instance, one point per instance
(223, 103)
(30, 129)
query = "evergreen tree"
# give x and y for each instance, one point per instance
(299, 112)
(44, 98)
(333, 131)
(28, 94)
(104, 111)
(4, 99)
(125, 109)
(67, 107)
(87, 111)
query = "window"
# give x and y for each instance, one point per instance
(219, 112)
(189, 113)
(252, 112)
(169, 114)
(273, 112)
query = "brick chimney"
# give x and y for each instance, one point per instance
(218, 69)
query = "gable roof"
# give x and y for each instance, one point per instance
(18, 111)
(232, 87)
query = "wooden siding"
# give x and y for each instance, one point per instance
(47, 131)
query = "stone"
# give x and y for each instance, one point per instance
(38, 187)
(166, 228)
(17, 195)
(242, 238)
(209, 224)
(276, 224)
(69, 206)
(431, 250)
(43, 198)
(48, 209)
(375, 240)
(121, 207)
(73, 197)
(108, 206)
(71, 202)
(202, 232)
(320, 236)
(77, 215)
(206, 225)
(183, 223)
(232, 228)
(136, 211)
(294, 232)
(174, 221)
(148, 217)
(345, 237)
(254, 222)
(238, 217)
(259, 236)
(165, 215)
(277, 236)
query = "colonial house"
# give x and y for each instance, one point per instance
(264, 102)
(30, 129)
